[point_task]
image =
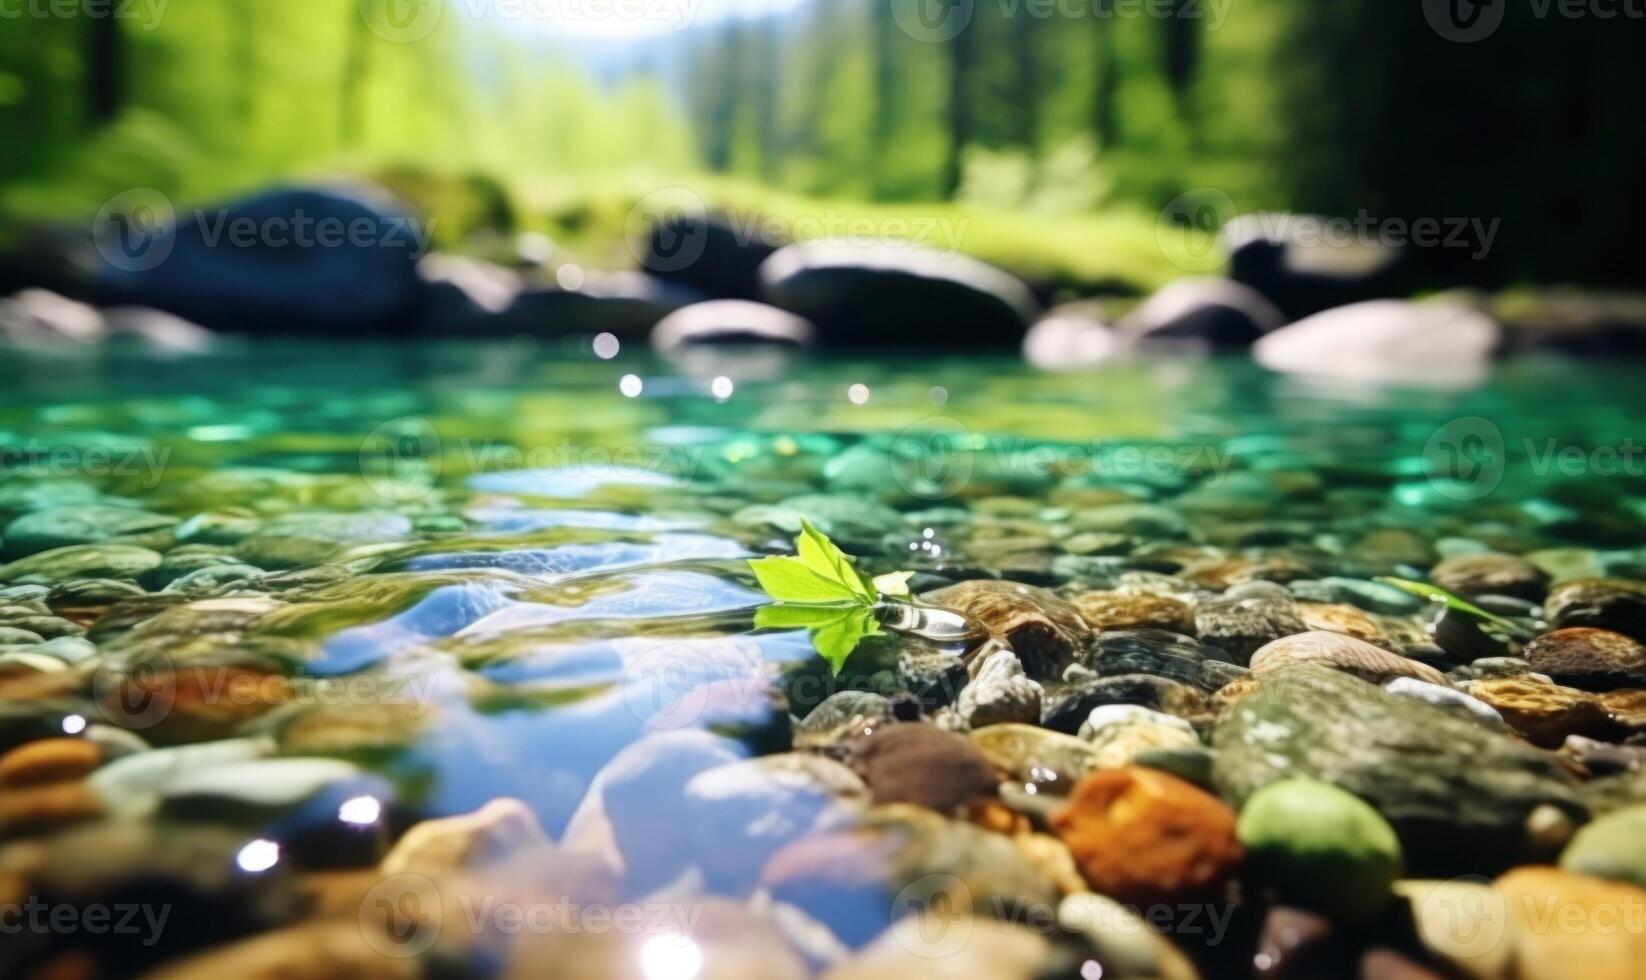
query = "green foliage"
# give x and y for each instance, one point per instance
(1436, 594)
(820, 590)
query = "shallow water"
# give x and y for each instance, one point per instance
(531, 558)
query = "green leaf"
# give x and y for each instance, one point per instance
(790, 616)
(895, 584)
(792, 580)
(835, 641)
(1437, 594)
(826, 559)
(836, 630)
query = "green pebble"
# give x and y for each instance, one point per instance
(1612, 847)
(1321, 848)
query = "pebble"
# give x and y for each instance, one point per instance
(1142, 837)
(1123, 943)
(1592, 659)
(842, 716)
(49, 761)
(111, 561)
(1346, 619)
(1613, 846)
(1340, 652)
(499, 831)
(1119, 733)
(1036, 756)
(1321, 849)
(1543, 712)
(1447, 698)
(1069, 705)
(1609, 604)
(945, 946)
(1000, 693)
(1242, 626)
(741, 813)
(921, 764)
(1044, 630)
(1132, 611)
(1472, 576)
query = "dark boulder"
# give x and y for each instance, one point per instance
(314, 262)
(625, 304)
(715, 256)
(908, 296)
(1308, 263)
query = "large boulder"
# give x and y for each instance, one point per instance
(1433, 344)
(310, 261)
(625, 304)
(1458, 794)
(1307, 263)
(720, 257)
(910, 296)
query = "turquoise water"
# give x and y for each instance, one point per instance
(484, 571)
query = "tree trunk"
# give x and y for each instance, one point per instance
(962, 68)
(1106, 117)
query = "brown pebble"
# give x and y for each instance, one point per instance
(922, 764)
(48, 760)
(53, 805)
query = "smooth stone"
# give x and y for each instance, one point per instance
(921, 764)
(1124, 944)
(1192, 764)
(498, 832)
(881, 294)
(1069, 705)
(1473, 576)
(1068, 338)
(858, 880)
(1446, 697)
(91, 592)
(1340, 652)
(49, 761)
(1241, 626)
(1543, 712)
(1143, 837)
(1205, 311)
(1119, 733)
(62, 527)
(1592, 659)
(1458, 795)
(1036, 756)
(731, 321)
(1168, 655)
(136, 781)
(741, 813)
(260, 783)
(1321, 848)
(1436, 344)
(80, 561)
(321, 288)
(1346, 619)
(11, 636)
(47, 807)
(945, 946)
(1105, 611)
(1613, 846)
(1042, 629)
(1618, 605)
(641, 791)
(1136, 519)
(1000, 693)
(1595, 936)
(842, 716)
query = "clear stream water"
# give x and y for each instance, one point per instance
(542, 550)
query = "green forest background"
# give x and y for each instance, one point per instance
(1063, 136)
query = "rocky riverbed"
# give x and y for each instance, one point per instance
(421, 662)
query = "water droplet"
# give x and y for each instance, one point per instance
(631, 386)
